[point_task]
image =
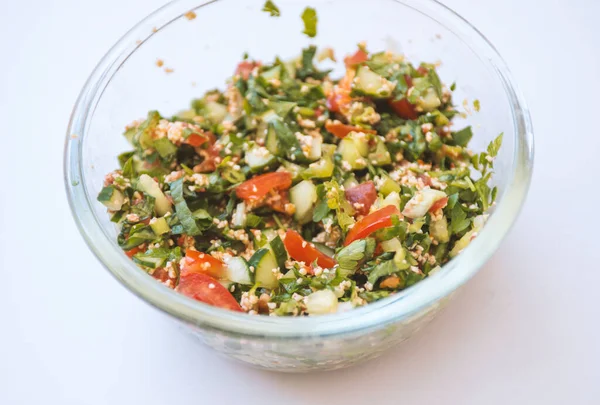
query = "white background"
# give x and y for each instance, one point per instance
(524, 330)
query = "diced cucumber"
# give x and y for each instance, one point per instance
(160, 226)
(392, 245)
(238, 271)
(304, 196)
(324, 249)
(350, 182)
(463, 242)
(421, 202)
(439, 230)
(320, 169)
(263, 125)
(400, 259)
(259, 158)
(264, 263)
(294, 169)
(430, 101)
(321, 302)
(388, 185)
(361, 140)
(369, 83)
(278, 249)
(267, 236)
(186, 114)
(315, 148)
(416, 225)
(149, 260)
(148, 185)
(272, 143)
(112, 198)
(272, 73)
(214, 112)
(393, 199)
(238, 218)
(381, 155)
(350, 153)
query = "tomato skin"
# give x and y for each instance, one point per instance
(339, 99)
(245, 68)
(199, 139)
(202, 263)
(439, 204)
(371, 223)
(206, 289)
(304, 251)
(342, 130)
(131, 252)
(358, 57)
(259, 186)
(364, 194)
(404, 109)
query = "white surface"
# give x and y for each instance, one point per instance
(525, 330)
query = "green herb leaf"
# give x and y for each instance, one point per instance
(309, 16)
(462, 137)
(350, 257)
(381, 270)
(321, 211)
(183, 212)
(271, 8)
(494, 146)
(458, 220)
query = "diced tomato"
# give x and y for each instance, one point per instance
(278, 201)
(245, 67)
(359, 56)
(198, 262)
(208, 290)
(304, 251)
(364, 194)
(404, 109)
(439, 204)
(409, 80)
(131, 252)
(199, 139)
(341, 130)
(259, 186)
(371, 223)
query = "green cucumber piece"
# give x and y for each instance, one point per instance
(279, 251)
(112, 198)
(148, 185)
(304, 196)
(381, 155)
(238, 218)
(238, 271)
(321, 169)
(369, 83)
(439, 230)
(350, 153)
(264, 262)
(388, 185)
(160, 226)
(259, 158)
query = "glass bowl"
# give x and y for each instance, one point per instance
(202, 53)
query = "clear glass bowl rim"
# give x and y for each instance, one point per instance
(378, 314)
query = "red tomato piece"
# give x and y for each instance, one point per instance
(364, 194)
(131, 252)
(162, 275)
(199, 139)
(209, 164)
(339, 99)
(371, 223)
(198, 262)
(359, 56)
(259, 186)
(341, 130)
(422, 70)
(245, 67)
(404, 109)
(425, 179)
(208, 290)
(304, 251)
(439, 204)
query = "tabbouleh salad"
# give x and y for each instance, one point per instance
(293, 193)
